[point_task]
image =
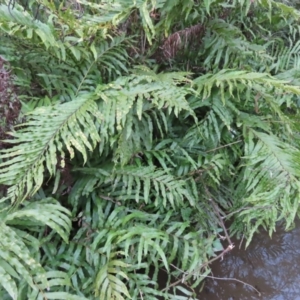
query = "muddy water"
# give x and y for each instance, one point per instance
(272, 266)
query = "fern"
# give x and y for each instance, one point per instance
(43, 149)
(141, 184)
(19, 249)
(143, 125)
(42, 153)
(271, 177)
(106, 278)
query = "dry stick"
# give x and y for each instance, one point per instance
(224, 146)
(172, 284)
(177, 282)
(216, 209)
(234, 279)
(241, 241)
(218, 278)
(228, 249)
(141, 294)
(110, 199)
(221, 221)
(212, 277)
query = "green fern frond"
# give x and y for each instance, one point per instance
(18, 261)
(225, 42)
(55, 279)
(39, 143)
(139, 183)
(63, 125)
(21, 24)
(271, 172)
(285, 56)
(241, 80)
(270, 160)
(108, 284)
(285, 10)
(46, 212)
(134, 234)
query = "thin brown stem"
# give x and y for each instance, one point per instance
(216, 209)
(224, 146)
(228, 249)
(217, 212)
(208, 276)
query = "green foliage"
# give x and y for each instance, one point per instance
(142, 127)
(19, 259)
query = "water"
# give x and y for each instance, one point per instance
(271, 266)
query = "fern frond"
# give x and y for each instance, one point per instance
(18, 259)
(107, 284)
(39, 143)
(139, 183)
(55, 281)
(269, 158)
(241, 80)
(285, 56)
(22, 25)
(224, 44)
(46, 212)
(138, 237)
(285, 10)
(271, 176)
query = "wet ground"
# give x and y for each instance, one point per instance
(271, 266)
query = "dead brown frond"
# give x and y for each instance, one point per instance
(9, 103)
(178, 40)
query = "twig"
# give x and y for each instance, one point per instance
(224, 146)
(216, 209)
(208, 276)
(110, 199)
(141, 294)
(220, 220)
(234, 279)
(241, 241)
(228, 249)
